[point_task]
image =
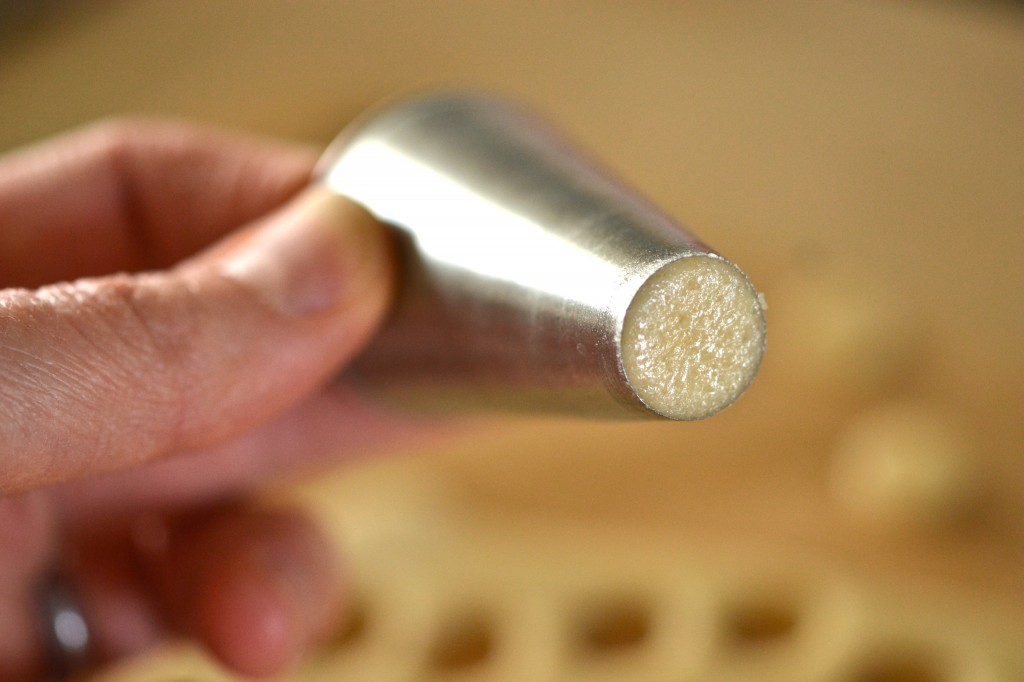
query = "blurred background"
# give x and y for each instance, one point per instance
(862, 161)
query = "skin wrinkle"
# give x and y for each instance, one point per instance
(26, 174)
(170, 345)
(115, 149)
(65, 361)
(118, 145)
(23, 387)
(74, 390)
(186, 170)
(122, 315)
(125, 147)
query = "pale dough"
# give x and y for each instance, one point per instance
(693, 337)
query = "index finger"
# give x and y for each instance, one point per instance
(134, 195)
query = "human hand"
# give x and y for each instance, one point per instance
(133, 406)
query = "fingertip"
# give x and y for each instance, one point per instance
(321, 253)
(271, 592)
(249, 621)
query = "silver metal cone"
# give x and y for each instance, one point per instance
(520, 259)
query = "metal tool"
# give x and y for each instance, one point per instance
(519, 259)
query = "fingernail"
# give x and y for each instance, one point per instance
(312, 255)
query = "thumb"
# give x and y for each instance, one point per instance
(101, 374)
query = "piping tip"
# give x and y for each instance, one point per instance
(532, 280)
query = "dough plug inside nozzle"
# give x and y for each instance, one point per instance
(531, 280)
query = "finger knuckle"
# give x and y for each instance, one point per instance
(159, 326)
(133, 342)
